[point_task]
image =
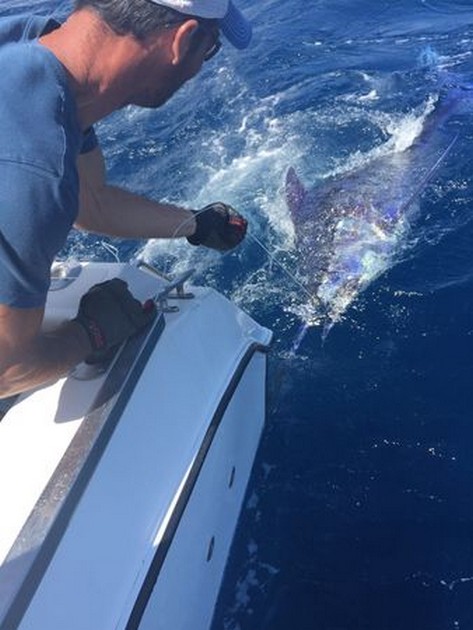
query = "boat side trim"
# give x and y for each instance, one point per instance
(160, 555)
(41, 534)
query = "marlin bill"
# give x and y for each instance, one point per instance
(350, 229)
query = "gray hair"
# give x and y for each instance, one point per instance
(137, 17)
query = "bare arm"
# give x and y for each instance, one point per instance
(29, 358)
(113, 211)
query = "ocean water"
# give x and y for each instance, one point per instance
(359, 513)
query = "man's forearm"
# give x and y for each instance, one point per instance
(110, 210)
(46, 357)
(116, 212)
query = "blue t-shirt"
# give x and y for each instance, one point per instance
(40, 142)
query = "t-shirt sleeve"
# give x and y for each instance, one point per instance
(38, 172)
(34, 226)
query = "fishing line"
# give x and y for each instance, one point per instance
(271, 256)
(186, 221)
(274, 260)
(111, 249)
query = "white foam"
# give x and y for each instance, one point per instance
(408, 128)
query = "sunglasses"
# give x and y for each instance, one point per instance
(216, 44)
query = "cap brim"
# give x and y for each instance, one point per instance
(236, 27)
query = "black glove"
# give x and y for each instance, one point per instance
(110, 314)
(218, 226)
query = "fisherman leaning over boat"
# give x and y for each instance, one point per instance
(56, 81)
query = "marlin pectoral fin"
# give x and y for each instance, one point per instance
(295, 192)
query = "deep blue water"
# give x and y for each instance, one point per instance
(359, 514)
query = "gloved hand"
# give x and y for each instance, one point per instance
(219, 227)
(110, 314)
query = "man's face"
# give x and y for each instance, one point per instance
(163, 80)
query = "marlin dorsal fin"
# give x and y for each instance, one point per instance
(295, 192)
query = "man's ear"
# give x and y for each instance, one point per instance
(182, 40)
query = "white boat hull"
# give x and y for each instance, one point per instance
(130, 494)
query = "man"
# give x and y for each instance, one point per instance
(56, 81)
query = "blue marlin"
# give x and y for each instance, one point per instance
(351, 228)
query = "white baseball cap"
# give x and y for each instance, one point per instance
(233, 24)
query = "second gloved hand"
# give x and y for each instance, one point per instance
(110, 314)
(219, 227)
